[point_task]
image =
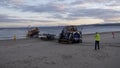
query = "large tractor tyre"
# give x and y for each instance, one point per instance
(80, 41)
(70, 41)
(59, 41)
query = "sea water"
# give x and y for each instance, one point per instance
(8, 33)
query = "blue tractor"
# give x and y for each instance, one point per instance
(70, 34)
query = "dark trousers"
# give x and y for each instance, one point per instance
(97, 45)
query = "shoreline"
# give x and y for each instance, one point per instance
(83, 35)
(103, 32)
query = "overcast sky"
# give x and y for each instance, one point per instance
(22, 13)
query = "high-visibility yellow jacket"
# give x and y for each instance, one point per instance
(97, 37)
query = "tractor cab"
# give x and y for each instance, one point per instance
(33, 33)
(70, 34)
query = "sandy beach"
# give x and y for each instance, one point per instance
(36, 53)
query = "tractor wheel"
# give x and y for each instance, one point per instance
(80, 41)
(70, 42)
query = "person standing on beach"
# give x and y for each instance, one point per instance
(113, 34)
(97, 40)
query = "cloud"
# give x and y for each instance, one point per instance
(76, 14)
(89, 8)
(76, 2)
(62, 17)
(85, 21)
(62, 10)
(17, 1)
(114, 19)
(13, 19)
(96, 13)
(51, 7)
(61, 0)
(9, 3)
(42, 8)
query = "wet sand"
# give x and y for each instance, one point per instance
(35, 53)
